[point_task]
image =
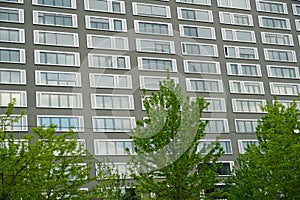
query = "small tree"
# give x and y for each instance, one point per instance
(168, 163)
(271, 170)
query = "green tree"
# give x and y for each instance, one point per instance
(168, 163)
(40, 165)
(271, 170)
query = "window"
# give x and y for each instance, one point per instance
(56, 78)
(225, 168)
(70, 59)
(56, 3)
(54, 19)
(112, 101)
(236, 19)
(291, 89)
(151, 10)
(283, 71)
(201, 67)
(216, 125)
(277, 38)
(247, 105)
(58, 100)
(195, 14)
(107, 42)
(238, 35)
(246, 87)
(297, 22)
(280, 55)
(155, 46)
(56, 38)
(199, 49)
(105, 23)
(108, 61)
(11, 15)
(113, 124)
(274, 22)
(239, 4)
(287, 103)
(112, 6)
(7, 96)
(110, 81)
(200, 2)
(153, 28)
(204, 85)
(12, 55)
(113, 147)
(241, 52)
(152, 82)
(215, 105)
(271, 7)
(12, 1)
(296, 9)
(12, 35)
(157, 64)
(206, 145)
(63, 123)
(20, 125)
(12, 76)
(240, 69)
(244, 144)
(197, 31)
(245, 125)
(17, 146)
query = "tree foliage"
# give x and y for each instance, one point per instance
(168, 164)
(271, 170)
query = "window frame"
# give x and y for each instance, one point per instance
(116, 77)
(215, 48)
(180, 17)
(112, 40)
(181, 30)
(137, 28)
(294, 56)
(258, 110)
(21, 34)
(135, 10)
(80, 128)
(73, 5)
(234, 35)
(244, 120)
(20, 15)
(221, 140)
(223, 104)
(190, 89)
(39, 82)
(18, 1)
(37, 32)
(232, 21)
(237, 52)
(239, 65)
(24, 124)
(36, 21)
(21, 52)
(219, 3)
(290, 36)
(280, 66)
(260, 22)
(110, 22)
(295, 9)
(95, 129)
(143, 84)
(173, 61)
(38, 62)
(258, 8)
(139, 46)
(186, 69)
(97, 153)
(22, 76)
(23, 98)
(94, 104)
(110, 7)
(243, 87)
(240, 146)
(195, 3)
(225, 125)
(272, 84)
(114, 63)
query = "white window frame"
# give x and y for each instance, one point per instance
(234, 108)
(240, 146)
(215, 47)
(240, 69)
(237, 52)
(297, 22)
(114, 59)
(137, 29)
(225, 140)
(186, 69)
(21, 34)
(74, 35)
(285, 102)
(258, 8)
(225, 123)
(208, 2)
(22, 55)
(260, 21)
(272, 84)
(110, 22)
(20, 13)
(23, 98)
(139, 46)
(35, 18)
(94, 118)
(223, 105)
(112, 40)
(110, 8)
(143, 84)
(189, 87)
(40, 105)
(116, 77)
(24, 123)
(280, 66)
(243, 85)
(282, 50)
(76, 57)
(234, 34)
(231, 6)
(130, 101)
(73, 5)
(80, 128)
(295, 9)
(135, 11)
(243, 120)
(232, 22)
(18, 1)
(39, 82)
(22, 75)
(179, 14)
(173, 61)
(290, 36)
(181, 29)
(97, 151)
(231, 165)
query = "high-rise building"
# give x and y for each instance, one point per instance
(83, 63)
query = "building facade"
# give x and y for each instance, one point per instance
(83, 63)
